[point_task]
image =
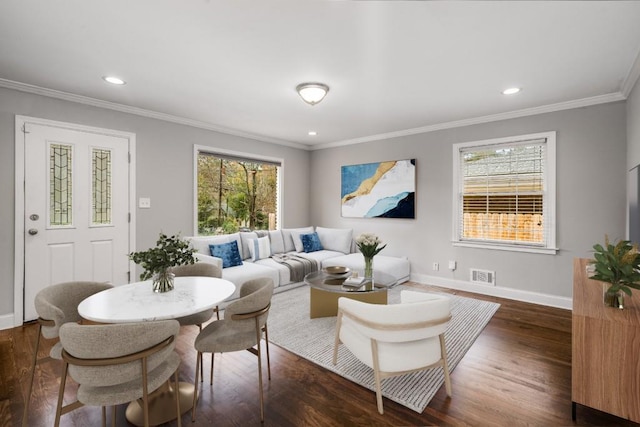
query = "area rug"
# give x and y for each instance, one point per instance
(312, 339)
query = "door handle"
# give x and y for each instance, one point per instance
(33, 231)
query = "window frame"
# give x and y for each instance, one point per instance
(549, 195)
(197, 149)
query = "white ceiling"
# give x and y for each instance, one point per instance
(393, 67)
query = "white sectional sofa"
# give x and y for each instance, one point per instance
(258, 252)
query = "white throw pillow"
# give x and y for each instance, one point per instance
(292, 240)
(260, 248)
(245, 237)
(277, 241)
(335, 239)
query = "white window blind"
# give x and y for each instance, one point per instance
(502, 195)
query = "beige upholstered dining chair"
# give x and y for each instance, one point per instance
(198, 269)
(395, 339)
(56, 305)
(118, 363)
(245, 319)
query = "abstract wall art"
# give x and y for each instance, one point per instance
(379, 190)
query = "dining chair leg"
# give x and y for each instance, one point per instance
(201, 367)
(103, 409)
(27, 399)
(63, 381)
(266, 340)
(211, 378)
(258, 333)
(177, 394)
(113, 416)
(195, 388)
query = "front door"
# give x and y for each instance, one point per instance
(76, 215)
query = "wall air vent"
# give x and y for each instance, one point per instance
(483, 277)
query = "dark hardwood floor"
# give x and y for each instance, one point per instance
(517, 373)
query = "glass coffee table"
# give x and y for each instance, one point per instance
(325, 289)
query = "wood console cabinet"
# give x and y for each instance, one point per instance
(605, 372)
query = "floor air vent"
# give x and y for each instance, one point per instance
(483, 277)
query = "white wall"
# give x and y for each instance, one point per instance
(164, 171)
(591, 200)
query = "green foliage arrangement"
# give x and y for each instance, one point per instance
(369, 244)
(170, 251)
(617, 264)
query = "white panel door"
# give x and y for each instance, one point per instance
(76, 209)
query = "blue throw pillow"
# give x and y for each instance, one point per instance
(228, 252)
(311, 242)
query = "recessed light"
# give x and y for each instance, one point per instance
(511, 91)
(114, 80)
(312, 133)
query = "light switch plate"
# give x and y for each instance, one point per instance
(144, 203)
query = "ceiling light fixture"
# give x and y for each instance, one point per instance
(312, 93)
(114, 80)
(511, 91)
(312, 133)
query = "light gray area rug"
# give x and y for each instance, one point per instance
(312, 339)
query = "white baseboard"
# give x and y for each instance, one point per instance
(496, 291)
(6, 321)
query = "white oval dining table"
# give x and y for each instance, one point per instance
(136, 302)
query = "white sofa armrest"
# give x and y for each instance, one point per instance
(209, 259)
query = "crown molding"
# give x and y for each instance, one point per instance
(632, 77)
(94, 102)
(584, 102)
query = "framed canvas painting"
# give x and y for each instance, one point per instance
(379, 190)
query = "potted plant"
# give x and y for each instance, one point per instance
(169, 251)
(370, 246)
(617, 264)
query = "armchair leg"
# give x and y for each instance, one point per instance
(376, 374)
(445, 365)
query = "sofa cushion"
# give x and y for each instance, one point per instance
(244, 239)
(277, 241)
(336, 239)
(228, 252)
(320, 256)
(248, 271)
(259, 248)
(311, 242)
(292, 240)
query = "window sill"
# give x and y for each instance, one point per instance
(505, 247)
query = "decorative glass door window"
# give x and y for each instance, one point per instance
(101, 186)
(60, 185)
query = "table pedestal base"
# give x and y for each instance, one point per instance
(325, 303)
(162, 404)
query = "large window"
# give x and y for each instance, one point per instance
(235, 192)
(505, 193)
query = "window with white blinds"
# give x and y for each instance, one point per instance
(505, 193)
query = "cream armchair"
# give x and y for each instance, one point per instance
(395, 339)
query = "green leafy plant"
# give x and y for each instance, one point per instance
(617, 264)
(369, 244)
(170, 251)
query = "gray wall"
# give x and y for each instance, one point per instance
(164, 170)
(633, 127)
(591, 197)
